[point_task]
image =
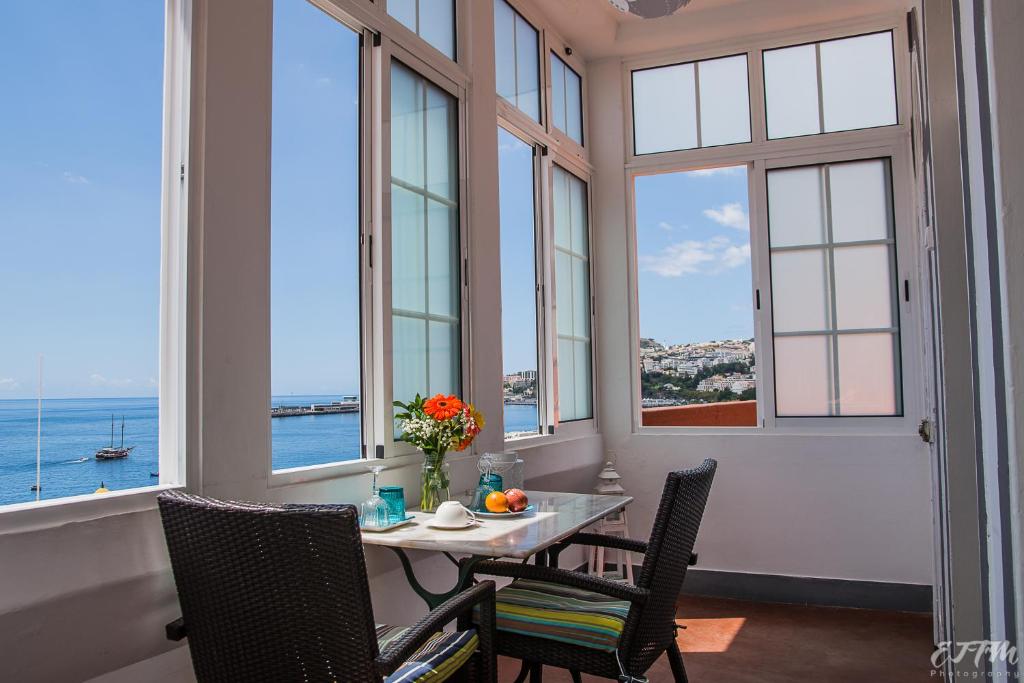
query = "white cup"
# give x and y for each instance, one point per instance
(453, 513)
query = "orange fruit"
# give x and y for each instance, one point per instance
(496, 502)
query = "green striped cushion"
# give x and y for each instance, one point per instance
(556, 612)
(440, 657)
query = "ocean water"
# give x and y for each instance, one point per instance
(74, 429)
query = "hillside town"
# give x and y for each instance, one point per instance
(704, 372)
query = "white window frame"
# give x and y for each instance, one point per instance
(760, 155)
(177, 288)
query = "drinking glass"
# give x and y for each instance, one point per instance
(374, 511)
(394, 497)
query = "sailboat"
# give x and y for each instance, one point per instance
(112, 452)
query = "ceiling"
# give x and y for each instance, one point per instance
(595, 29)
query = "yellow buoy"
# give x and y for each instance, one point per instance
(102, 489)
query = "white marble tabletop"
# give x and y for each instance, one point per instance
(555, 517)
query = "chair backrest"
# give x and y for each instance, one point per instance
(649, 628)
(271, 593)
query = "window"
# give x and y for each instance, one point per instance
(695, 294)
(572, 296)
(425, 256)
(316, 358)
(835, 315)
(830, 86)
(516, 59)
(685, 106)
(516, 176)
(431, 20)
(566, 100)
(81, 178)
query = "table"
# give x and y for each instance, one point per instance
(556, 517)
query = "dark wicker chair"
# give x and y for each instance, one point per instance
(280, 593)
(649, 628)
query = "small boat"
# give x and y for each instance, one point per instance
(154, 474)
(114, 452)
(35, 487)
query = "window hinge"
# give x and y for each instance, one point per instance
(379, 452)
(757, 299)
(924, 430)
(376, 38)
(181, 172)
(906, 291)
(369, 250)
(465, 272)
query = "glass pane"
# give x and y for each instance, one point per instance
(409, 353)
(441, 162)
(863, 287)
(573, 106)
(407, 126)
(442, 260)
(791, 91)
(315, 303)
(664, 109)
(408, 251)
(582, 376)
(803, 376)
(867, 375)
(796, 207)
(581, 298)
(858, 83)
(518, 285)
(566, 381)
(561, 208)
(80, 250)
(557, 93)
(724, 101)
(578, 229)
(437, 25)
(505, 50)
(695, 290)
(563, 292)
(800, 297)
(404, 11)
(444, 358)
(527, 68)
(861, 208)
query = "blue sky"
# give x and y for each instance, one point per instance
(693, 256)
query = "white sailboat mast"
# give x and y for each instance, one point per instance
(39, 427)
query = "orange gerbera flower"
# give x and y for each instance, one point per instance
(442, 407)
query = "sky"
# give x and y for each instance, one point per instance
(693, 256)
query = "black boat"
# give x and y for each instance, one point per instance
(114, 452)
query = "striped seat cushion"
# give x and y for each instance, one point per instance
(556, 612)
(440, 657)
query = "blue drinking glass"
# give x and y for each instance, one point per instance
(394, 498)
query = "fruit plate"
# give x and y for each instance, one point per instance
(499, 515)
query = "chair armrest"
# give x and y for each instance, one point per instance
(584, 538)
(597, 584)
(399, 651)
(176, 630)
(693, 559)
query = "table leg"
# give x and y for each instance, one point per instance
(432, 599)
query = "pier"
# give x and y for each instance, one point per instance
(332, 408)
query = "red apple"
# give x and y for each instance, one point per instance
(517, 500)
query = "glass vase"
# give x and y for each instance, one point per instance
(435, 482)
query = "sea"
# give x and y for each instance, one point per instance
(73, 429)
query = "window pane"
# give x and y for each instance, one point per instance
(527, 69)
(431, 20)
(800, 291)
(664, 109)
(858, 82)
(566, 99)
(425, 252)
(863, 292)
(695, 293)
(796, 206)
(803, 376)
(866, 372)
(572, 297)
(80, 235)
(791, 91)
(518, 285)
(315, 344)
(860, 201)
(505, 62)
(724, 102)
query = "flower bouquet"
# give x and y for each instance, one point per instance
(435, 426)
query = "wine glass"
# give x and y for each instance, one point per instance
(373, 512)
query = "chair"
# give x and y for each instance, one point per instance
(583, 623)
(280, 593)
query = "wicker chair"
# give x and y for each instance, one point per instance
(280, 593)
(648, 608)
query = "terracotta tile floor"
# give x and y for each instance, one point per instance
(730, 641)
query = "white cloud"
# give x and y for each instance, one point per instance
(729, 215)
(692, 257)
(707, 172)
(667, 227)
(324, 81)
(75, 179)
(8, 383)
(99, 380)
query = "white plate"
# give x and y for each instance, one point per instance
(499, 515)
(469, 523)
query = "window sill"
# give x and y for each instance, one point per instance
(350, 468)
(46, 514)
(528, 443)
